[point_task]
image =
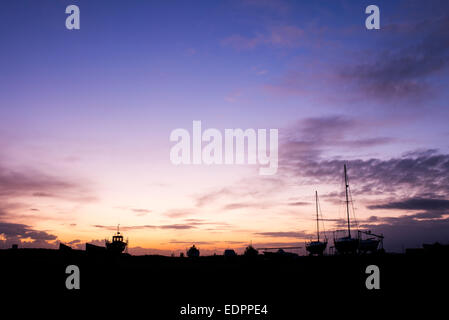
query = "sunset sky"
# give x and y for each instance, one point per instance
(86, 115)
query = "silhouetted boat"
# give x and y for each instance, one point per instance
(117, 245)
(316, 247)
(346, 244)
(370, 243)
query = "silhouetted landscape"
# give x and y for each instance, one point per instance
(268, 276)
(277, 280)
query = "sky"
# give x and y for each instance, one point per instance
(86, 116)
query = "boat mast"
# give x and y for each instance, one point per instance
(317, 224)
(347, 201)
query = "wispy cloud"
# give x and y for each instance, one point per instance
(243, 205)
(278, 36)
(298, 203)
(183, 225)
(278, 6)
(401, 71)
(140, 212)
(28, 182)
(284, 234)
(179, 213)
(140, 227)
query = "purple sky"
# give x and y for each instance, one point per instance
(85, 119)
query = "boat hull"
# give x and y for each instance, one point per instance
(346, 245)
(116, 247)
(368, 245)
(316, 247)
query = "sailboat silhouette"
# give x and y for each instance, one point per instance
(346, 244)
(317, 247)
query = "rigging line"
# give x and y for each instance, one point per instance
(353, 210)
(322, 219)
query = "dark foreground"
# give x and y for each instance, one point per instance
(286, 285)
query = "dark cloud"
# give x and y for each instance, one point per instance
(429, 215)
(415, 204)
(23, 231)
(40, 235)
(15, 233)
(419, 174)
(402, 69)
